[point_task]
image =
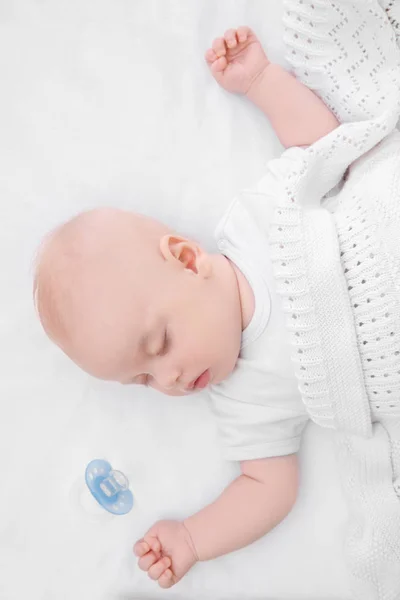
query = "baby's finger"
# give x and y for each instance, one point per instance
(166, 580)
(153, 543)
(219, 65)
(210, 56)
(141, 548)
(243, 33)
(219, 47)
(230, 38)
(158, 569)
(147, 561)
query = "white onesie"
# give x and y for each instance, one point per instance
(258, 408)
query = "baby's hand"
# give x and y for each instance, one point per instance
(166, 552)
(237, 59)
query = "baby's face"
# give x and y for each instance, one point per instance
(183, 339)
(173, 324)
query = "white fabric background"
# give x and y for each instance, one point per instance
(108, 102)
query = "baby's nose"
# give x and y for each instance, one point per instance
(167, 378)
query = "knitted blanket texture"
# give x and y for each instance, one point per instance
(338, 269)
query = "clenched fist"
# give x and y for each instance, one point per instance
(237, 60)
(166, 552)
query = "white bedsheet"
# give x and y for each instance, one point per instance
(108, 102)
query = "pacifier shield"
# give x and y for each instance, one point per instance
(109, 487)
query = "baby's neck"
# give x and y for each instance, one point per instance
(244, 290)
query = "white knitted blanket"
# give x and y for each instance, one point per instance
(337, 271)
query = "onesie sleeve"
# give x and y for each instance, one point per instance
(259, 426)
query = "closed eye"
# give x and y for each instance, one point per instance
(165, 345)
(145, 379)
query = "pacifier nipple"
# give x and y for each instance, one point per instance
(114, 483)
(109, 487)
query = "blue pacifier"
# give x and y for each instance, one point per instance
(109, 487)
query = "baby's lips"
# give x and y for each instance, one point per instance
(202, 381)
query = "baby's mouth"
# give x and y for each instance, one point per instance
(202, 381)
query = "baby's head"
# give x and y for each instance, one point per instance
(128, 300)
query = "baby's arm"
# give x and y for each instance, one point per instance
(239, 64)
(297, 115)
(247, 509)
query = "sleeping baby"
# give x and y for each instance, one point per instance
(132, 301)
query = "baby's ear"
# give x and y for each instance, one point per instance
(189, 254)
